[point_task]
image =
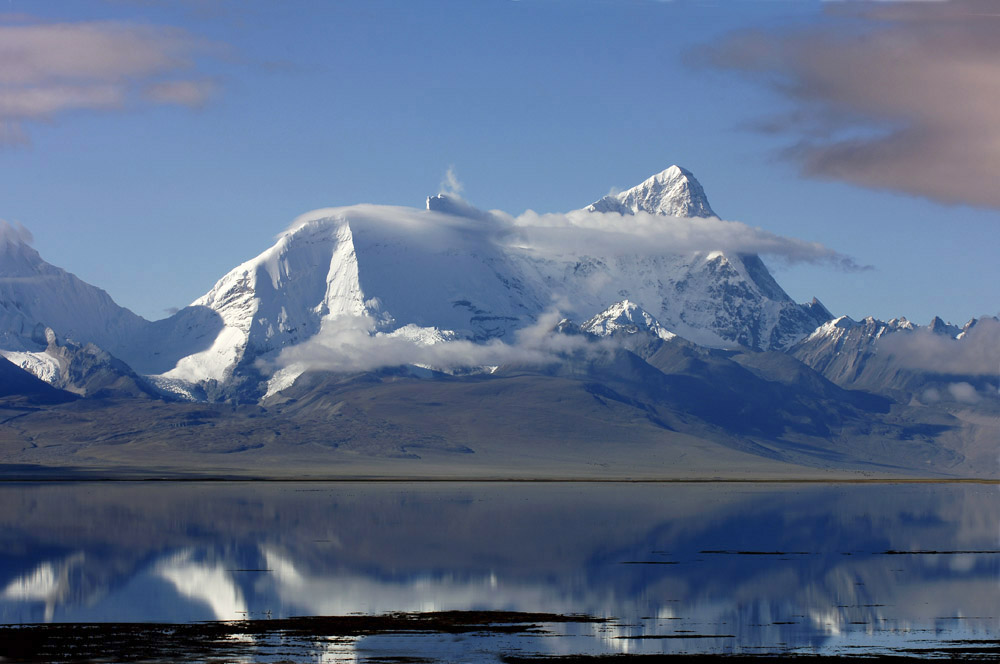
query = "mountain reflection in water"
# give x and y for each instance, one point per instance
(842, 568)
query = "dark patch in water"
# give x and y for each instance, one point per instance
(69, 642)
(760, 553)
(677, 636)
(893, 552)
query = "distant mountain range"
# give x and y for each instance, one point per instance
(358, 313)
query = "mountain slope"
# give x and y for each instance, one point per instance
(35, 295)
(711, 298)
(937, 362)
(387, 267)
(83, 369)
(19, 387)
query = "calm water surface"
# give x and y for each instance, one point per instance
(713, 568)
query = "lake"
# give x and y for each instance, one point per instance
(450, 571)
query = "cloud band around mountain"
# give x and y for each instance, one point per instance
(353, 343)
(648, 234)
(977, 353)
(350, 343)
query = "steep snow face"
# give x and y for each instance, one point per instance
(673, 192)
(39, 363)
(277, 299)
(35, 295)
(625, 317)
(405, 269)
(832, 328)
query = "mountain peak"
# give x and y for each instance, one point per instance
(672, 192)
(17, 257)
(14, 234)
(625, 317)
(456, 206)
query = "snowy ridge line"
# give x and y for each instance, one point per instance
(446, 274)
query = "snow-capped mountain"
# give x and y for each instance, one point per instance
(342, 330)
(841, 349)
(452, 268)
(393, 267)
(83, 369)
(625, 318)
(40, 302)
(673, 192)
(23, 387)
(449, 271)
(902, 358)
(35, 295)
(711, 298)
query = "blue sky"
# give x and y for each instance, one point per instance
(176, 139)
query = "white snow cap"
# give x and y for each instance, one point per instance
(625, 317)
(673, 192)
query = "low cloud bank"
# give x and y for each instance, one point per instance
(351, 344)
(977, 353)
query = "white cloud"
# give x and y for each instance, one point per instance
(451, 184)
(963, 392)
(14, 233)
(583, 232)
(647, 234)
(349, 343)
(977, 353)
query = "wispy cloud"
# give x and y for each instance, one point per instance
(14, 233)
(350, 343)
(647, 234)
(193, 94)
(889, 95)
(47, 69)
(450, 184)
(582, 233)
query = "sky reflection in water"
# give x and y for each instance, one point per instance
(680, 567)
